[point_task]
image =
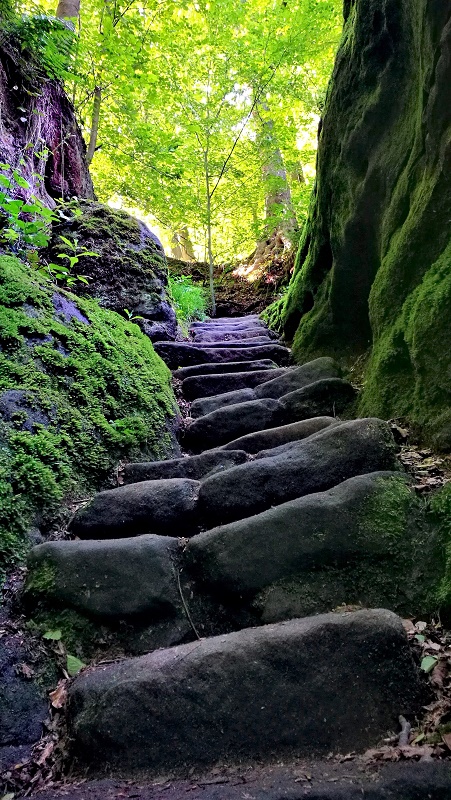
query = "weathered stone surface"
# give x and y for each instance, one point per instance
(317, 531)
(401, 781)
(225, 334)
(176, 354)
(207, 385)
(166, 507)
(327, 397)
(221, 344)
(299, 377)
(275, 437)
(131, 270)
(335, 682)
(113, 579)
(232, 324)
(206, 405)
(373, 265)
(230, 366)
(193, 467)
(314, 465)
(228, 423)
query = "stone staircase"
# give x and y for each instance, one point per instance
(224, 566)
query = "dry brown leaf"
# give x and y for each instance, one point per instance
(46, 753)
(440, 673)
(59, 695)
(447, 739)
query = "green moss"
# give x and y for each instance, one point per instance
(76, 394)
(440, 507)
(41, 580)
(386, 514)
(408, 373)
(78, 634)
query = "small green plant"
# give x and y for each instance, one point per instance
(64, 273)
(24, 224)
(131, 316)
(189, 300)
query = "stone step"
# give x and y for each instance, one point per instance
(324, 398)
(231, 366)
(311, 554)
(226, 334)
(180, 506)
(113, 579)
(232, 344)
(294, 378)
(163, 507)
(178, 354)
(205, 405)
(193, 467)
(198, 386)
(274, 437)
(315, 464)
(252, 319)
(329, 683)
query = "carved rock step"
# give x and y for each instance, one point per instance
(225, 334)
(115, 579)
(221, 344)
(194, 467)
(334, 682)
(322, 531)
(164, 507)
(199, 386)
(274, 437)
(177, 354)
(250, 319)
(292, 379)
(301, 557)
(231, 366)
(326, 397)
(313, 465)
(178, 506)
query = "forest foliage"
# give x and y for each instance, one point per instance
(192, 101)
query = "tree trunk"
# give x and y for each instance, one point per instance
(68, 9)
(279, 211)
(182, 246)
(94, 125)
(209, 247)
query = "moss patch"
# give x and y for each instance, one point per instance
(80, 388)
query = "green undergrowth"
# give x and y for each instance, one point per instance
(80, 388)
(188, 299)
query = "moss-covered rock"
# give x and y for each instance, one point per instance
(80, 388)
(372, 272)
(130, 271)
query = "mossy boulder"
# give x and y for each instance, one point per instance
(373, 269)
(130, 272)
(80, 388)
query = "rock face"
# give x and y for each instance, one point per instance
(58, 150)
(373, 264)
(71, 402)
(130, 271)
(309, 686)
